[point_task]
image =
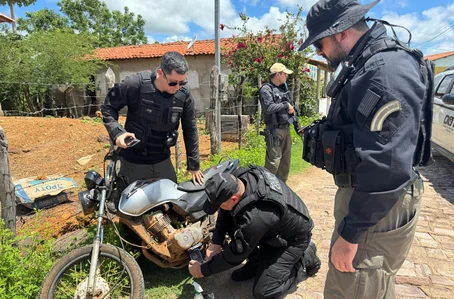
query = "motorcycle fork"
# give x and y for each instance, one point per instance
(96, 245)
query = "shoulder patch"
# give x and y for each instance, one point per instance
(272, 181)
(382, 113)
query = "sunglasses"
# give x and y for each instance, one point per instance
(318, 45)
(175, 83)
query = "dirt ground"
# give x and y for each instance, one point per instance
(41, 147)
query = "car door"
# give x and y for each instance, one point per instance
(441, 131)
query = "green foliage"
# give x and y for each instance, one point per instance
(45, 61)
(251, 54)
(90, 17)
(24, 262)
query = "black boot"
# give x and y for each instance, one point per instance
(246, 272)
(310, 260)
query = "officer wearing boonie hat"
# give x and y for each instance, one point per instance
(373, 126)
(258, 209)
(277, 107)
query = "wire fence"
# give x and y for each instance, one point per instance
(23, 218)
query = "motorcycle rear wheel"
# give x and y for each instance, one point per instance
(118, 275)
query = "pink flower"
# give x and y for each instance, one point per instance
(252, 68)
(221, 26)
(241, 45)
(290, 46)
(280, 55)
(306, 70)
(258, 60)
(260, 39)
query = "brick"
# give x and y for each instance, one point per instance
(406, 272)
(410, 291)
(438, 291)
(444, 231)
(416, 281)
(441, 280)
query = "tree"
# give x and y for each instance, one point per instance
(250, 55)
(19, 3)
(110, 28)
(43, 20)
(36, 64)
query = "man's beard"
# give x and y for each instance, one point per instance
(338, 55)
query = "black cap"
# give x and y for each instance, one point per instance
(219, 189)
(329, 17)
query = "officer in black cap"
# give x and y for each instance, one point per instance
(370, 143)
(269, 225)
(156, 102)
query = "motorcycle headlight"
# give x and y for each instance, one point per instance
(88, 203)
(93, 179)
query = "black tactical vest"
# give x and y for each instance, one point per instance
(156, 116)
(340, 123)
(279, 96)
(271, 189)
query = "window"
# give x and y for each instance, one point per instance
(444, 85)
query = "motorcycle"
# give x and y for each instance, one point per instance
(167, 217)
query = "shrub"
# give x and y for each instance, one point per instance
(24, 262)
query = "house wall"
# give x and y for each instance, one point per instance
(198, 76)
(441, 64)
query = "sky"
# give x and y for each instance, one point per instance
(431, 22)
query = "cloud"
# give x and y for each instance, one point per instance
(151, 39)
(432, 31)
(306, 4)
(273, 19)
(174, 17)
(402, 3)
(175, 38)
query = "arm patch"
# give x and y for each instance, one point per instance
(382, 112)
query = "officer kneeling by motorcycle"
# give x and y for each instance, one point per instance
(268, 224)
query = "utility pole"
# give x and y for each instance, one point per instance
(217, 61)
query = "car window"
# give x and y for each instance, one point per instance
(437, 79)
(444, 85)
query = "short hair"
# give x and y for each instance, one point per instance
(271, 76)
(174, 61)
(361, 25)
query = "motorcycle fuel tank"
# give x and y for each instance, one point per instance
(143, 195)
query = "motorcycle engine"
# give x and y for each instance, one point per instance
(160, 226)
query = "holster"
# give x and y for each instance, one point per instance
(333, 151)
(312, 143)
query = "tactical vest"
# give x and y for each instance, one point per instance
(328, 144)
(270, 189)
(280, 117)
(156, 116)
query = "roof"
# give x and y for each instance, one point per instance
(4, 18)
(439, 56)
(202, 47)
(320, 64)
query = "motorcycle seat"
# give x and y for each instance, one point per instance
(189, 186)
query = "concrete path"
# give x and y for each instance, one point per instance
(428, 271)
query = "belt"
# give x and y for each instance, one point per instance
(272, 127)
(345, 180)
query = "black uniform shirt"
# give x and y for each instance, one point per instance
(386, 155)
(128, 94)
(255, 222)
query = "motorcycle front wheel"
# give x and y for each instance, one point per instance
(118, 275)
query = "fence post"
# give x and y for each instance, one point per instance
(240, 111)
(177, 155)
(259, 106)
(215, 123)
(7, 196)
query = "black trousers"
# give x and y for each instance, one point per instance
(279, 269)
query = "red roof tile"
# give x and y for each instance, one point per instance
(202, 47)
(439, 56)
(6, 19)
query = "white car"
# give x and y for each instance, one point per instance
(443, 115)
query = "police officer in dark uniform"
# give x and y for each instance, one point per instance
(373, 137)
(156, 102)
(269, 225)
(277, 107)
